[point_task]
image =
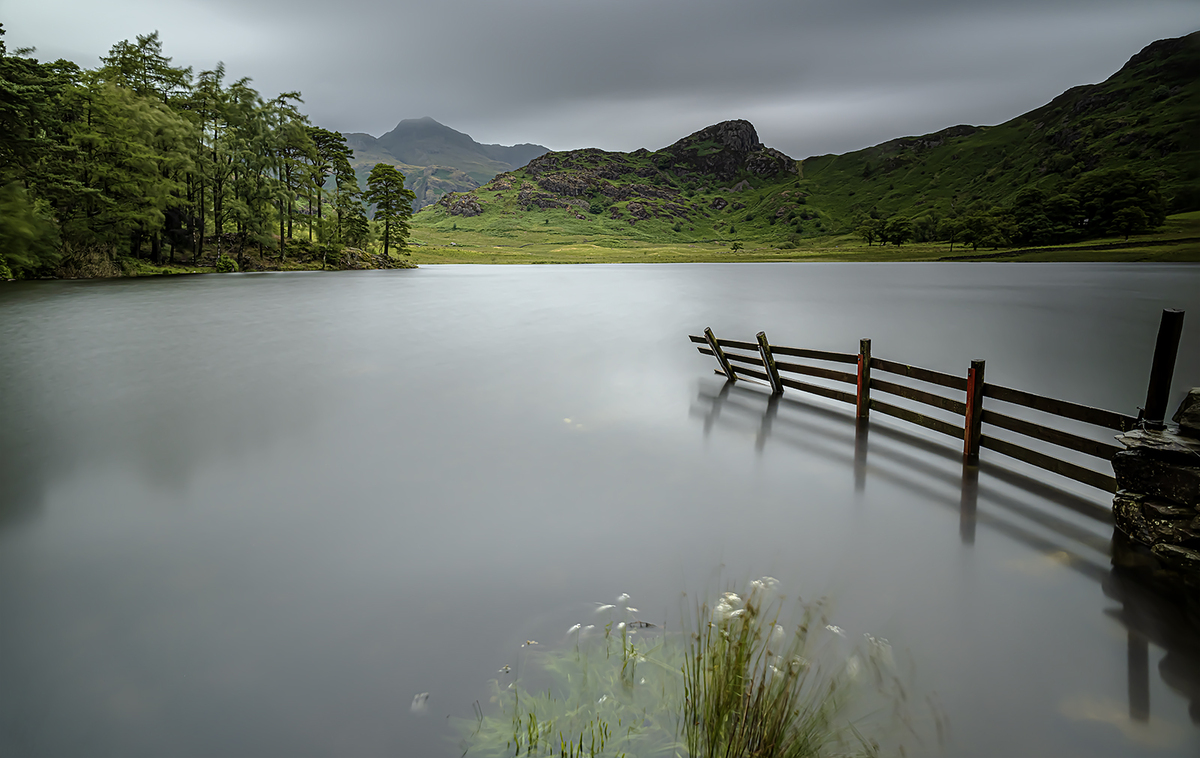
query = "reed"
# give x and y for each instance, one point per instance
(745, 682)
(753, 689)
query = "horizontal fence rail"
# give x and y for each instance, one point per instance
(759, 360)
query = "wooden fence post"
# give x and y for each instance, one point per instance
(720, 354)
(973, 424)
(1158, 394)
(764, 350)
(863, 404)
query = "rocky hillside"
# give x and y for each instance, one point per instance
(436, 159)
(721, 183)
(667, 184)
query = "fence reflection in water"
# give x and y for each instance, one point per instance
(1150, 613)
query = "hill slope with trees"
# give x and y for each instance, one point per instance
(1109, 158)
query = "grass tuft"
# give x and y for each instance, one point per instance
(740, 685)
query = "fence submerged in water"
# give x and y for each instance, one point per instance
(758, 360)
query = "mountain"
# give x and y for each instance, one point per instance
(632, 187)
(721, 183)
(1143, 117)
(436, 159)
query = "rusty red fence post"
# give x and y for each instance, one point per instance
(973, 424)
(863, 401)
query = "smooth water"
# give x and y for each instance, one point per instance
(254, 515)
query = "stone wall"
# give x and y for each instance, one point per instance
(1158, 499)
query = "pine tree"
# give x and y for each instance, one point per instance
(393, 204)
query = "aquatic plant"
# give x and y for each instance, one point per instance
(739, 685)
(751, 689)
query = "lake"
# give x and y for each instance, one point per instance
(255, 514)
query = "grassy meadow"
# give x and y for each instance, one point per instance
(575, 241)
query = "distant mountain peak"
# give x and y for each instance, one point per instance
(436, 158)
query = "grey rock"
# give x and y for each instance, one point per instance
(461, 204)
(1178, 557)
(1139, 470)
(1137, 516)
(1188, 415)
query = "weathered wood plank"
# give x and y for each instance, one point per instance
(816, 389)
(739, 345)
(1054, 436)
(921, 374)
(1066, 409)
(921, 396)
(1032, 457)
(913, 417)
(756, 374)
(823, 373)
(752, 360)
(697, 339)
(819, 355)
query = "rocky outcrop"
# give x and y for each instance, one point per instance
(463, 204)
(725, 150)
(1158, 499)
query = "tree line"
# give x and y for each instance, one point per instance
(1118, 201)
(143, 158)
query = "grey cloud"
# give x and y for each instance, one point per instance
(815, 77)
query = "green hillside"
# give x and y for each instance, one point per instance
(1050, 173)
(1144, 118)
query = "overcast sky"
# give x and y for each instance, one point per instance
(814, 76)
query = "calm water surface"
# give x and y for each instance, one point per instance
(253, 515)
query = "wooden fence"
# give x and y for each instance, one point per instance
(761, 360)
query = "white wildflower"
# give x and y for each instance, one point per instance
(853, 667)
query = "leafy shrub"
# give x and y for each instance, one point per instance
(226, 265)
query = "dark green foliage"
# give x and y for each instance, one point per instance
(27, 237)
(140, 156)
(870, 230)
(393, 204)
(1130, 220)
(1102, 194)
(896, 230)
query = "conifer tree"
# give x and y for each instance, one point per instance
(393, 204)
